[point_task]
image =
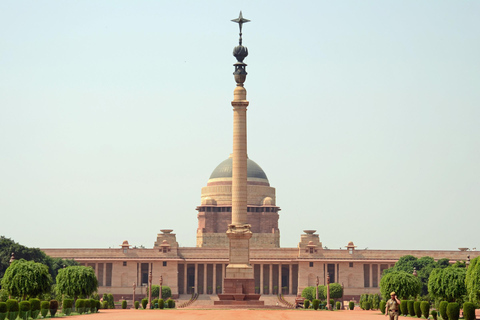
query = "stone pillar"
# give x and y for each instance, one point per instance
(279, 278)
(214, 280)
(195, 289)
(204, 278)
(290, 280)
(185, 284)
(371, 277)
(270, 280)
(261, 278)
(223, 278)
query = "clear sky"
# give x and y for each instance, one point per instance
(364, 115)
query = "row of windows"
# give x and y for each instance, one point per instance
(229, 209)
(350, 264)
(164, 263)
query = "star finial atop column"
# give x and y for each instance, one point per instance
(240, 20)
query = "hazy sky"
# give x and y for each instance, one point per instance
(364, 115)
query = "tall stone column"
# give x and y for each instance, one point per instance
(239, 283)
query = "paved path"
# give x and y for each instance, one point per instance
(240, 314)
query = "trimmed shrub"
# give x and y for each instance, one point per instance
(332, 303)
(35, 307)
(338, 305)
(97, 305)
(87, 305)
(137, 304)
(144, 303)
(67, 303)
(453, 311)
(111, 301)
(434, 314)
(93, 305)
(411, 307)
(170, 303)
(425, 308)
(53, 308)
(12, 305)
(351, 305)
(166, 292)
(443, 309)
(124, 304)
(367, 305)
(161, 304)
(3, 307)
(309, 293)
(404, 307)
(24, 307)
(306, 304)
(382, 306)
(44, 307)
(416, 308)
(154, 303)
(315, 304)
(105, 305)
(468, 311)
(80, 306)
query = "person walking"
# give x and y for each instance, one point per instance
(392, 306)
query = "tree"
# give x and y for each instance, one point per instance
(7, 246)
(26, 278)
(404, 284)
(472, 280)
(336, 291)
(77, 280)
(447, 283)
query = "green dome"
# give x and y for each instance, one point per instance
(224, 170)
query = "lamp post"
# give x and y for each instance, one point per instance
(160, 291)
(328, 292)
(134, 287)
(150, 289)
(316, 291)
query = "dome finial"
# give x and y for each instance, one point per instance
(240, 20)
(240, 52)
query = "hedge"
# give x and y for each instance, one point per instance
(338, 305)
(3, 307)
(144, 303)
(416, 308)
(404, 307)
(434, 314)
(453, 311)
(443, 309)
(137, 304)
(170, 303)
(351, 305)
(44, 307)
(53, 307)
(124, 304)
(425, 308)
(306, 304)
(315, 304)
(161, 303)
(469, 311)
(411, 307)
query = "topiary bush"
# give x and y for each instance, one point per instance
(315, 304)
(105, 305)
(161, 304)
(80, 306)
(93, 305)
(382, 306)
(97, 305)
(12, 309)
(351, 305)
(306, 304)
(469, 311)
(416, 308)
(144, 303)
(34, 307)
(24, 307)
(111, 301)
(443, 310)
(44, 307)
(154, 303)
(170, 303)
(404, 307)
(434, 314)
(425, 308)
(309, 293)
(124, 304)
(453, 311)
(338, 305)
(87, 305)
(3, 307)
(67, 306)
(53, 307)
(367, 305)
(411, 307)
(137, 304)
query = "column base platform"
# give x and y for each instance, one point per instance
(239, 292)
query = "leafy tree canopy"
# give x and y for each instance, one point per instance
(26, 278)
(76, 281)
(448, 283)
(404, 284)
(472, 280)
(336, 291)
(7, 246)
